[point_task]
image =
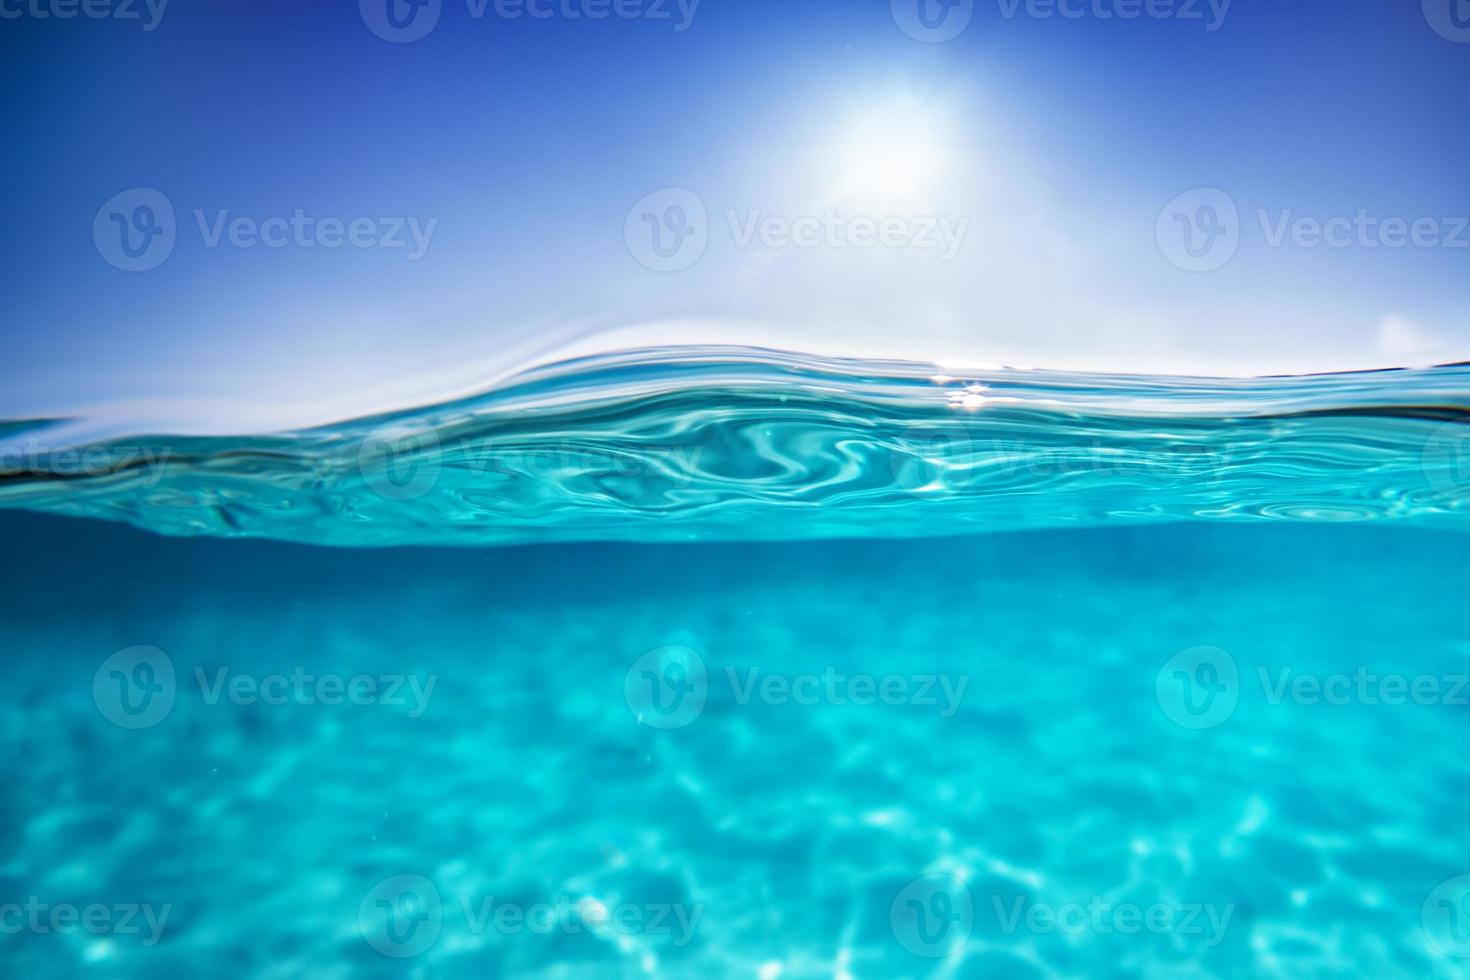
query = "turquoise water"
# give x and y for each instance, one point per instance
(749, 665)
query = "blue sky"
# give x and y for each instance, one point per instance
(1066, 156)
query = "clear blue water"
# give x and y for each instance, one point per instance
(750, 666)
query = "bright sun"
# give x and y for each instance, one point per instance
(890, 162)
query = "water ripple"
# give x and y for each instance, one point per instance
(741, 443)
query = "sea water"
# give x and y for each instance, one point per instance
(737, 663)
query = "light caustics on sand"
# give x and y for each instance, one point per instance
(729, 443)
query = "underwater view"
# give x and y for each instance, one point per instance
(734, 663)
(702, 489)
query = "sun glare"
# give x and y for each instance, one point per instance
(890, 160)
